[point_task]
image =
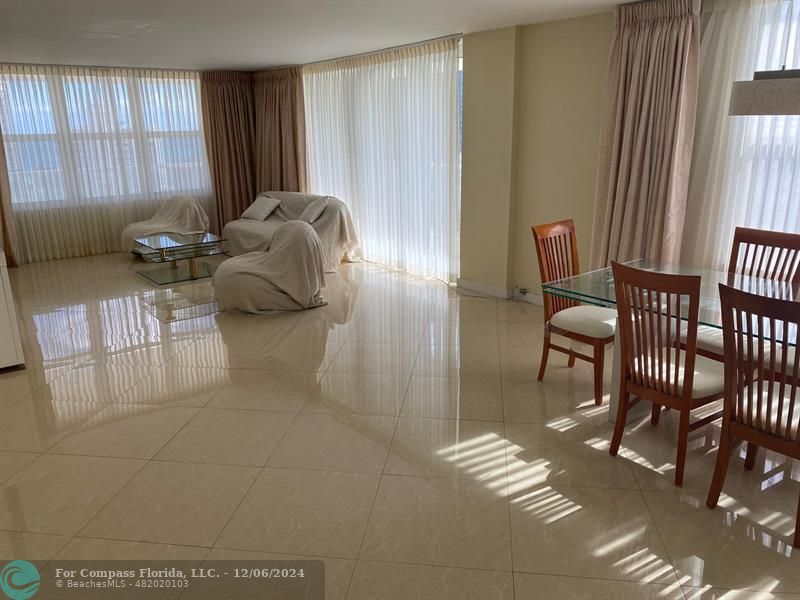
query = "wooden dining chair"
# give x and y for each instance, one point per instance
(773, 255)
(557, 251)
(654, 365)
(760, 336)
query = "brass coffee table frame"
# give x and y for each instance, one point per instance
(172, 248)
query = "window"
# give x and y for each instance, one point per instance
(115, 135)
(744, 169)
(91, 150)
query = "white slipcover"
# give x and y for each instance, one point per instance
(335, 228)
(289, 276)
(179, 214)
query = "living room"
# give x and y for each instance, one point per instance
(390, 300)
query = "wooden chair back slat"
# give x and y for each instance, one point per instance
(557, 251)
(652, 307)
(762, 362)
(766, 254)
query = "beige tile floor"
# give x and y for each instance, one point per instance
(398, 434)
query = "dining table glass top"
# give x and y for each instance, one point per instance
(597, 287)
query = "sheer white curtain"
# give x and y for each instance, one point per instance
(382, 133)
(746, 170)
(90, 150)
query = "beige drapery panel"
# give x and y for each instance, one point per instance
(7, 229)
(229, 123)
(280, 140)
(645, 153)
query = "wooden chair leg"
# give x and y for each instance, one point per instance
(571, 361)
(683, 442)
(599, 358)
(545, 353)
(619, 426)
(796, 542)
(750, 457)
(655, 414)
(723, 458)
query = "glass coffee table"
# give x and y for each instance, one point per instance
(172, 248)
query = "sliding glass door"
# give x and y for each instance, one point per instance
(382, 134)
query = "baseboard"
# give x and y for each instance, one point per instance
(483, 289)
(536, 299)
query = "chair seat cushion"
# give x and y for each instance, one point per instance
(709, 374)
(708, 338)
(591, 321)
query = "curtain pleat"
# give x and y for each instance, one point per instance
(8, 232)
(383, 137)
(280, 137)
(746, 170)
(646, 149)
(89, 150)
(228, 116)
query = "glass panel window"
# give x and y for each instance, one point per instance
(25, 107)
(35, 171)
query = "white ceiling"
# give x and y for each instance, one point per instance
(247, 34)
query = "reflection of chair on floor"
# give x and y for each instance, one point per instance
(179, 214)
(289, 276)
(765, 411)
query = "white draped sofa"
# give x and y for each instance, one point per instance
(334, 227)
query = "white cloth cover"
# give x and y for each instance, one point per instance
(289, 276)
(593, 321)
(335, 228)
(261, 208)
(179, 214)
(314, 210)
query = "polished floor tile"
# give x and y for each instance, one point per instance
(332, 442)
(379, 359)
(391, 581)
(228, 437)
(587, 532)
(303, 512)
(359, 393)
(173, 503)
(125, 431)
(338, 571)
(460, 333)
(179, 386)
(742, 544)
(305, 355)
(12, 462)
(454, 398)
(265, 390)
(30, 546)
(575, 456)
(219, 351)
(59, 494)
(399, 434)
(481, 362)
(444, 522)
(550, 587)
(449, 448)
(97, 549)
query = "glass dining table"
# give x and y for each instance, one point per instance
(597, 287)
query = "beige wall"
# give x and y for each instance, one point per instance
(487, 156)
(559, 83)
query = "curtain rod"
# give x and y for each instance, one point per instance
(278, 68)
(107, 67)
(389, 49)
